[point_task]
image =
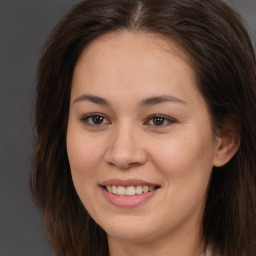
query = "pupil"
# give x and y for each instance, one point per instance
(158, 121)
(97, 119)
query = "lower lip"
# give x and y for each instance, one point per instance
(128, 201)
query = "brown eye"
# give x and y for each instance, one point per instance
(159, 121)
(95, 120)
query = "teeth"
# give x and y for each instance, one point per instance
(121, 191)
(145, 189)
(151, 188)
(129, 191)
(114, 189)
(138, 190)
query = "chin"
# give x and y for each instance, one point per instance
(132, 230)
(133, 235)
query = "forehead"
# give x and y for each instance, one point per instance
(130, 52)
(133, 63)
(125, 40)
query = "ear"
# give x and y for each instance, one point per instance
(226, 147)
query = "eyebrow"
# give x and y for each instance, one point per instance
(161, 99)
(145, 102)
(92, 98)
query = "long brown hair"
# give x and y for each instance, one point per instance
(223, 59)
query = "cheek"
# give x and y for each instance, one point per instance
(186, 162)
(84, 157)
(186, 166)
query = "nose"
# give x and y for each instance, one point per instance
(125, 149)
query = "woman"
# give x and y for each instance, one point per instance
(145, 123)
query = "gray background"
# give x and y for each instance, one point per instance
(24, 26)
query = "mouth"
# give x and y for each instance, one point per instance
(131, 190)
(128, 193)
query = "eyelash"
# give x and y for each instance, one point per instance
(166, 119)
(86, 119)
(163, 119)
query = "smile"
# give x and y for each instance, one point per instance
(128, 193)
(130, 190)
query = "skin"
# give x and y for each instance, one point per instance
(125, 69)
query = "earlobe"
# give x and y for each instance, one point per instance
(227, 147)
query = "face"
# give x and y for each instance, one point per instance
(139, 138)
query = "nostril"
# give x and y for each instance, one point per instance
(125, 161)
(123, 165)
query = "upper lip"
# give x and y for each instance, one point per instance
(127, 183)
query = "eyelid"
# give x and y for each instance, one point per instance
(170, 120)
(90, 115)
